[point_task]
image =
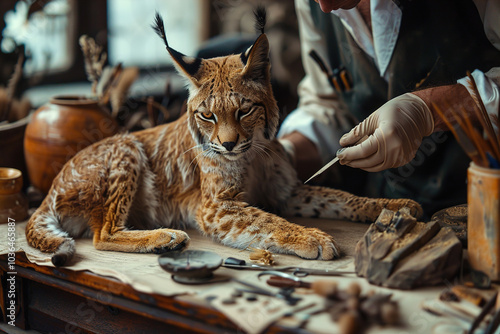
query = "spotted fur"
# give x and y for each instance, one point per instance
(217, 168)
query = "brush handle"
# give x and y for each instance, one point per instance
(282, 282)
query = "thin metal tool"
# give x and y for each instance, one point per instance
(279, 274)
(325, 167)
(486, 309)
(334, 160)
(495, 321)
(285, 294)
(234, 263)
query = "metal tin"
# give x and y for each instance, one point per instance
(483, 198)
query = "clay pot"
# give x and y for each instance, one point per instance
(11, 146)
(13, 203)
(59, 130)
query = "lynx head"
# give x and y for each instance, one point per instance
(231, 105)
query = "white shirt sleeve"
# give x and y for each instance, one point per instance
(320, 116)
(489, 91)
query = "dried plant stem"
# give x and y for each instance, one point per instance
(94, 59)
(111, 82)
(151, 115)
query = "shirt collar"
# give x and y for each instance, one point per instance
(386, 21)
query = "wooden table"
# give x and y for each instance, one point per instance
(64, 300)
(59, 300)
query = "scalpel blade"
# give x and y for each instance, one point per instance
(325, 167)
(334, 160)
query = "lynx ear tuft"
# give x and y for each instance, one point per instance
(260, 19)
(256, 57)
(159, 28)
(260, 23)
(189, 66)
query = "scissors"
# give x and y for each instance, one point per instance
(234, 263)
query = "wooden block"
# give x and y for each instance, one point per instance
(399, 252)
(437, 261)
(400, 224)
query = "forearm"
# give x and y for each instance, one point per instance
(306, 156)
(449, 99)
(457, 98)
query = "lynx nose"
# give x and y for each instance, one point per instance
(229, 145)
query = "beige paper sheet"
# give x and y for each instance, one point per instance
(142, 271)
(144, 274)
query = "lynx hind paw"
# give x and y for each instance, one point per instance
(64, 253)
(169, 240)
(315, 244)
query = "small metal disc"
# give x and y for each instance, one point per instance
(191, 280)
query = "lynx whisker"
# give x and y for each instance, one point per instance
(261, 153)
(213, 148)
(267, 148)
(195, 158)
(260, 150)
(192, 148)
(263, 148)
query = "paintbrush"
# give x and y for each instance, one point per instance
(483, 150)
(469, 146)
(484, 119)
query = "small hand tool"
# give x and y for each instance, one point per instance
(235, 263)
(284, 293)
(333, 161)
(282, 282)
(339, 79)
(495, 321)
(325, 167)
(485, 310)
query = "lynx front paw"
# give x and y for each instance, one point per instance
(313, 243)
(168, 240)
(370, 211)
(397, 204)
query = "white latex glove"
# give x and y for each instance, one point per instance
(395, 132)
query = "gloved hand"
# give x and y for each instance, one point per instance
(394, 131)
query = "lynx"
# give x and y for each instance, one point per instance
(218, 168)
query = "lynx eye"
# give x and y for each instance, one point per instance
(243, 112)
(207, 115)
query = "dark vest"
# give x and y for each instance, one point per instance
(439, 41)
